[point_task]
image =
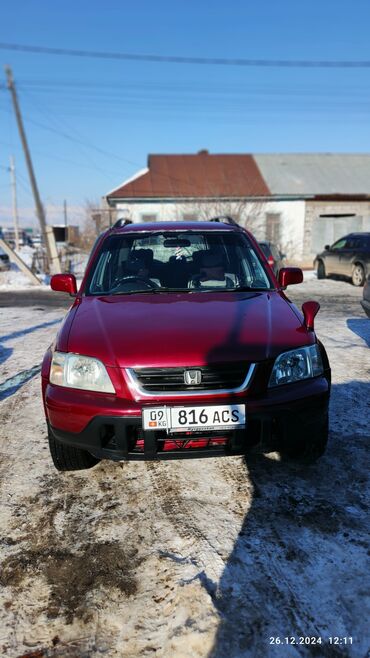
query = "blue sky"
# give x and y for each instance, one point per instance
(92, 122)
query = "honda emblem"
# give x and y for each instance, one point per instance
(192, 377)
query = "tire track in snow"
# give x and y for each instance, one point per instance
(204, 548)
(13, 384)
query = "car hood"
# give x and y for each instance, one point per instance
(185, 329)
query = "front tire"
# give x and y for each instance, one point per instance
(321, 270)
(68, 458)
(358, 275)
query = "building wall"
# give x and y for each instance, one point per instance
(254, 215)
(292, 214)
(327, 221)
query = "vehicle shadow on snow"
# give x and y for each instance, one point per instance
(361, 327)
(14, 383)
(298, 566)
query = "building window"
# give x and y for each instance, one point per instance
(273, 227)
(189, 217)
(148, 217)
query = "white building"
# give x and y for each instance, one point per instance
(299, 201)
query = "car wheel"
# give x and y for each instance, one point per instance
(320, 270)
(310, 447)
(358, 275)
(68, 458)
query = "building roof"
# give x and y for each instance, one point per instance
(206, 176)
(315, 174)
(198, 175)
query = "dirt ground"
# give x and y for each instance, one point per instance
(237, 557)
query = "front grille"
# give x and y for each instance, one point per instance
(217, 377)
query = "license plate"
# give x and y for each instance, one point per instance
(188, 419)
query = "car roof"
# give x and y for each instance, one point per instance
(176, 226)
(359, 234)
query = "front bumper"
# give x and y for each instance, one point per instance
(114, 432)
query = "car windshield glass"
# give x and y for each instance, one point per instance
(176, 260)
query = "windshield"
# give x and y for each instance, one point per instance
(176, 261)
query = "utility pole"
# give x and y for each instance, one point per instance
(15, 206)
(65, 221)
(47, 231)
(65, 213)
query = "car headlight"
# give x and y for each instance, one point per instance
(76, 371)
(293, 366)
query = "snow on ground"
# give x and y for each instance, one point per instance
(14, 280)
(213, 557)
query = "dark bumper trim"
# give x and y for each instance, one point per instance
(265, 430)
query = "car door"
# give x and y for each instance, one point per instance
(332, 257)
(353, 245)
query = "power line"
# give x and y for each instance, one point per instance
(214, 100)
(174, 59)
(77, 140)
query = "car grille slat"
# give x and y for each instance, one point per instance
(218, 377)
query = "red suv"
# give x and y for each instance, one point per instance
(181, 342)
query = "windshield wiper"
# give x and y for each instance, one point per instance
(172, 289)
(149, 291)
(158, 291)
(248, 289)
(131, 292)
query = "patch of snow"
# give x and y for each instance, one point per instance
(309, 275)
(26, 254)
(15, 280)
(208, 557)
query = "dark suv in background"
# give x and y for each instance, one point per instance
(349, 256)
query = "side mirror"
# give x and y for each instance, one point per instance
(327, 247)
(64, 283)
(290, 275)
(310, 310)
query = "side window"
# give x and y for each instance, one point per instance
(99, 279)
(362, 243)
(339, 245)
(252, 268)
(272, 227)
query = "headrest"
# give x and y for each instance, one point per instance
(144, 254)
(212, 259)
(134, 265)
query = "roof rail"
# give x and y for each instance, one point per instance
(120, 223)
(225, 219)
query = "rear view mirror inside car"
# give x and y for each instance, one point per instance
(176, 242)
